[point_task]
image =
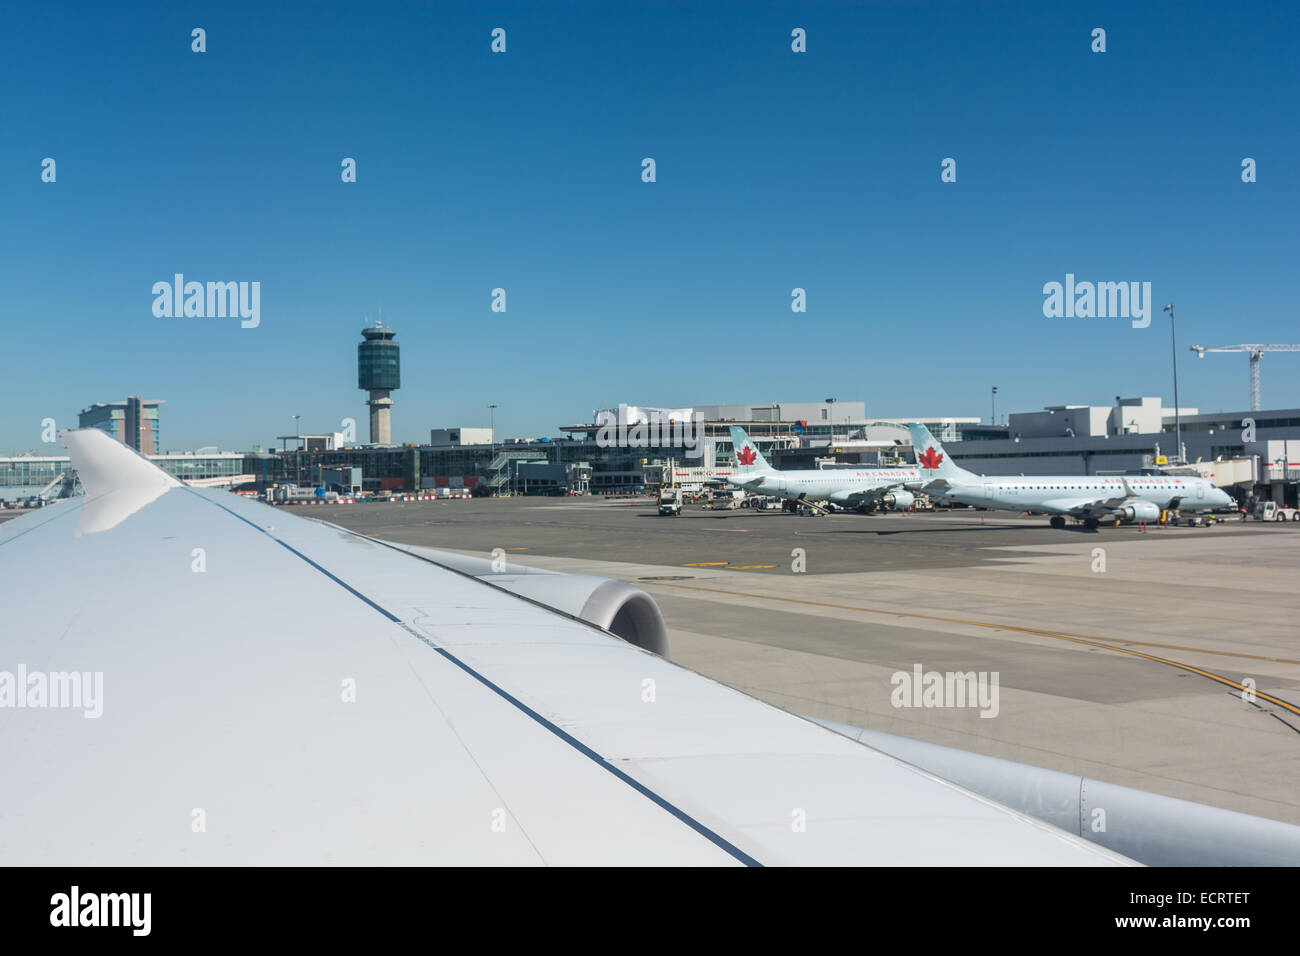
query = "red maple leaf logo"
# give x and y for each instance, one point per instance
(931, 459)
(746, 456)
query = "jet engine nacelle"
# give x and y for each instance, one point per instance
(899, 499)
(613, 606)
(1138, 511)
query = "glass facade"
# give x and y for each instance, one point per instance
(25, 472)
(1222, 424)
(195, 467)
(378, 360)
(1068, 453)
(113, 418)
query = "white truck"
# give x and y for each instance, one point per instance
(727, 499)
(296, 494)
(670, 502)
(1272, 511)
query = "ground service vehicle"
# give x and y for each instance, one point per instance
(1272, 511)
(727, 500)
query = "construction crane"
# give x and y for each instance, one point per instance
(1255, 351)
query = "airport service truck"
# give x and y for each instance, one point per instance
(296, 494)
(1272, 511)
(670, 502)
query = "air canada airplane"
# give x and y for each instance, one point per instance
(1090, 498)
(864, 488)
(272, 689)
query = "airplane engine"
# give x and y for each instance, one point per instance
(614, 606)
(899, 499)
(1138, 511)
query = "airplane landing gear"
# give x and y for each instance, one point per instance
(1090, 523)
(1058, 522)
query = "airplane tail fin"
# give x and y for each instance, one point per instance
(748, 459)
(930, 456)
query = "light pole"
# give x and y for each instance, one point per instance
(492, 427)
(297, 458)
(831, 403)
(1173, 351)
(993, 407)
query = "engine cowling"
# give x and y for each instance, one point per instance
(899, 499)
(614, 606)
(1137, 511)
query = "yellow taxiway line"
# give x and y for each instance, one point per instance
(1105, 643)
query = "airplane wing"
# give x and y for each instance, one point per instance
(1071, 507)
(258, 688)
(875, 490)
(1088, 507)
(864, 495)
(1082, 507)
(1075, 506)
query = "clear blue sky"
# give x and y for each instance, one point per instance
(775, 170)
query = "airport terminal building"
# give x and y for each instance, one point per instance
(25, 476)
(631, 447)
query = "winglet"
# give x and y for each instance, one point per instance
(118, 481)
(104, 464)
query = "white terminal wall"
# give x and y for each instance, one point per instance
(455, 437)
(1129, 416)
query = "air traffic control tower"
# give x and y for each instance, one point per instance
(379, 372)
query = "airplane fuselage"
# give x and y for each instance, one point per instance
(840, 485)
(1073, 494)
